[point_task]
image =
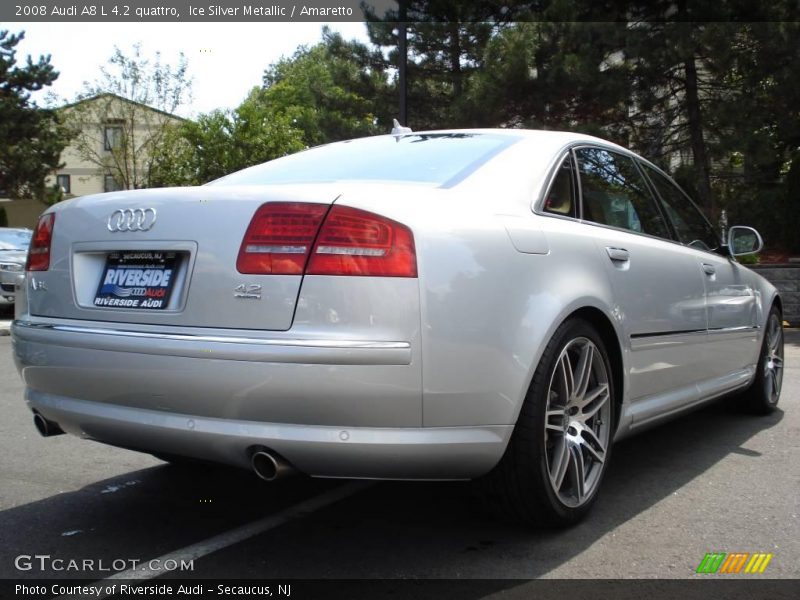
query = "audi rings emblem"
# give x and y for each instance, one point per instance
(132, 219)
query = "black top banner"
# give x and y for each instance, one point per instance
(148, 11)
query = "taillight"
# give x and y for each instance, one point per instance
(39, 250)
(356, 242)
(280, 240)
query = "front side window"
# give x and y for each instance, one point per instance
(691, 226)
(560, 199)
(614, 193)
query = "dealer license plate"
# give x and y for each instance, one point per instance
(137, 280)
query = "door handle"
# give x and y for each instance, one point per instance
(618, 254)
(709, 269)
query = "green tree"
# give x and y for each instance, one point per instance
(331, 91)
(554, 75)
(675, 81)
(446, 40)
(755, 130)
(32, 138)
(221, 142)
(122, 119)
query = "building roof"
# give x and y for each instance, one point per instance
(123, 99)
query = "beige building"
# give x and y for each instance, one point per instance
(112, 146)
(110, 151)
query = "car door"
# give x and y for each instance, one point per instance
(659, 292)
(731, 300)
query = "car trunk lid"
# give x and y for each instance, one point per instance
(166, 256)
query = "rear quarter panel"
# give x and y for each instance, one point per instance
(488, 309)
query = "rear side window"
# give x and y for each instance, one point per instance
(561, 197)
(614, 193)
(691, 226)
(439, 159)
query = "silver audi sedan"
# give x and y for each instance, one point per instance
(497, 305)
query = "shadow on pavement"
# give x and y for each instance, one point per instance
(437, 530)
(142, 514)
(391, 530)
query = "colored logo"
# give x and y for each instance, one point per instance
(734, 563)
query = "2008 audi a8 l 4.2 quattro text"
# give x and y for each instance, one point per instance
(498, 305)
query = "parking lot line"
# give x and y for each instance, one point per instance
(234, 536)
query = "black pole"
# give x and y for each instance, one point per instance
(402, 64)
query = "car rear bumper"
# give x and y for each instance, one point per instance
(332, 408)
(321, 451)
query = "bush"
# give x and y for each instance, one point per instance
(748, 259)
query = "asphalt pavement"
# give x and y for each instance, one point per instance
(715, 480)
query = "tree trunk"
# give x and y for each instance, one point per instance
(455, 59)
(702, 167)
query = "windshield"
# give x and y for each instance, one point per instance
(442, 159)
(15, 239)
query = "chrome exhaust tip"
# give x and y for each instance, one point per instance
(46, 428)
(268, 466)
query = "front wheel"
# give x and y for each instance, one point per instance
(763, 394)
(559, 451)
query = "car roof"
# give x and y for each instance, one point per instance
(540, 134)
(551, 139)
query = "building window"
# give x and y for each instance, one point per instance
(112, 137)
(110, 184)
(64, 184)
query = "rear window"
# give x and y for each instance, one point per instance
(442, 159)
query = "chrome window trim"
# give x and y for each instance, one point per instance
(552, 174)
(720, 246)
(537, 204)
(645, 181)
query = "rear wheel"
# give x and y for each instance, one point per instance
(559, 451)
(763, 394)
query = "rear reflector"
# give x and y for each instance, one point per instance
(39, 250)
(279, 238)
(356, 242)
(290, 238)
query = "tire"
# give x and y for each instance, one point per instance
(551, 471)
(761, 398)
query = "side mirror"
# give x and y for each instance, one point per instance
(744, 240)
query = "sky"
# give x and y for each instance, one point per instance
(226, 60)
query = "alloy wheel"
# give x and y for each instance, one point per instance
(577, 421)
(773, 361)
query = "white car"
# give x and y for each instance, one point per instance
(13, 254)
